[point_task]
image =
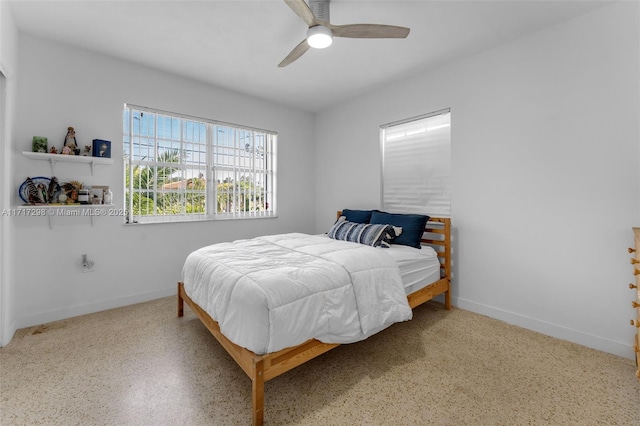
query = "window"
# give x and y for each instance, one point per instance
(416, 165)
(180, 168)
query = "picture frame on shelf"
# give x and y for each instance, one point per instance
(40, 144)
(98, 191)
(101, 148)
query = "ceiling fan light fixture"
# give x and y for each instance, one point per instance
(319, 37)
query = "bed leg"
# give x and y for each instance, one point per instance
(447, 299)
(257, 391)
(180, 301)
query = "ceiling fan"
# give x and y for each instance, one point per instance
(320, 33)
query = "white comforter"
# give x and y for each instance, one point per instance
(277, 291)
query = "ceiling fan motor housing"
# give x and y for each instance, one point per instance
(320, 9)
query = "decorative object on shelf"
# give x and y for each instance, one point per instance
(53, 150)
(71, 190)
(108, 196)
(100, 193)
(83, 196)
(39, 190)
(70, 141)
(53, 190)
(97, 195)
(32, 192)
(87, 151)
(66, 151)
(39, 144)
(101, 148)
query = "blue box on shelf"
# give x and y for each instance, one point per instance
(101, 148)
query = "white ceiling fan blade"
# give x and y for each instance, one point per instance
(297, 51)
(303, 11)
(369, 31)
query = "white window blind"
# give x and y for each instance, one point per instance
(180, 168)
(416, 165)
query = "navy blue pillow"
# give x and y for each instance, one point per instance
(357, 216)
(412, 226)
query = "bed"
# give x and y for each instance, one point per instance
(271, 356)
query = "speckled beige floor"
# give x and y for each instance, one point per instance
(141, 365)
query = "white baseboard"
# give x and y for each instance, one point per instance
(8, 333)
(91, 308)
(576, 336)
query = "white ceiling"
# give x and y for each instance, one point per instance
(238, 44)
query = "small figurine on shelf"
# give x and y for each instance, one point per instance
(70, 141)
(52, 190)
(87, 151)
(53, 150)
(66, 151)
(42, 192)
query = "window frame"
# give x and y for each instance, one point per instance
(250, 168)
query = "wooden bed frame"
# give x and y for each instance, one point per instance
(261, 368)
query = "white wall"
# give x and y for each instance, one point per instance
(546, 173)
(61, 86)
(8, 67)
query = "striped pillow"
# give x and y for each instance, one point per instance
(363, 233)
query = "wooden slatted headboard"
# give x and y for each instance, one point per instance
(437, 234)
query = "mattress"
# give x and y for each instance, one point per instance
(278, 291)
(418, 267)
